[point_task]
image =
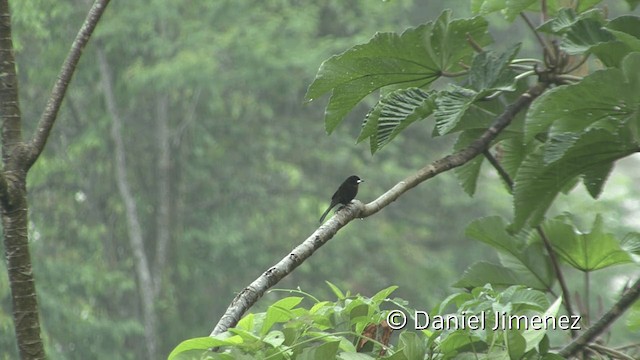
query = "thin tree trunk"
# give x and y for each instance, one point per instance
(163, 215)
(13, 199)
(23, 290)
(17, 158)
(143, 272)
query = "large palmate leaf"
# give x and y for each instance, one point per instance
(585, 252)
(622, 39)
(414, 59)
(604, 95)
(538, 183)
(584, 34)
(590, 125)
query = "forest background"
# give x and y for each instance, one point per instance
(228, 170)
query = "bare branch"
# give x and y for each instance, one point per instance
(50, 113)
(250, 295)
(541, 41)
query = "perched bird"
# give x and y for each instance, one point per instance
(345, 193)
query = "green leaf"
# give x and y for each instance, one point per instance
(490, 71)
(449, 40)
(552, 356)
(543, 345)
(393, 113)
(628, 24)
(279, 312)
(246, 336)
(538, 183)
(468, 174)
(595, 178)
(528, 299)
(631, 70)
(561, 23)
(533, 336)
(557, 145)
(626, 29)
(491, 230)
(383, 294)
(414, 59)
(583, 35)
(515, 7)
(585, 252)
(412, 346)
(274, 338)
(633, 317)
(398, 355)
(354, 356)
(336, 291)
(633, 4)
(566, 18)
(457, 340)
(451, 106)
(473, 123)
(327, 350)
(513, 151)
(631, 244)
(522, 261)
(611, 53)
(516, 344)
(509, 8)
(202, 343)
(604, 95)
(484, 7)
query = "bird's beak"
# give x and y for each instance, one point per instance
(360, 181)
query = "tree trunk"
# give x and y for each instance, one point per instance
(163, 214)
(23, 290)
(13, 200)
(143, 271)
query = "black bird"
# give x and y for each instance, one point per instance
(345, 193)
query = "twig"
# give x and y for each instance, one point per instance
(542, 42)
(615, 353)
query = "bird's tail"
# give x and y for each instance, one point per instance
(325, 214)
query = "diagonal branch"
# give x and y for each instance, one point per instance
(630, 296)
(250, 295)
(50, 113)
